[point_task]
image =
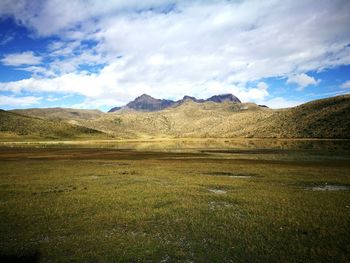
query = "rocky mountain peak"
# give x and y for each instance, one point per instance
(223, 98)
(144, 96)
(146, 102)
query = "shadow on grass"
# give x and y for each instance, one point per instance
(237, 175)
(30, 257)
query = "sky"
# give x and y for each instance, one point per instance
(101, 54)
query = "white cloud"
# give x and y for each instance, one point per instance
(345, 85)
(21, 59)
(255, 94)
(112, 87)
(53, 16)
(97, 103)
(197, 48)
(19, 101)
(52, 99)
(279, 103)
(302, 80)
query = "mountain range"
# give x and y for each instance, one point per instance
(221, 116)
(148, 103)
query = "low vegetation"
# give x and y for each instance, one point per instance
(61, 113)
(327, 118)
(182, 194)
(16, 126)
(245, 204)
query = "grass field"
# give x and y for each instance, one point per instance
(274, 203)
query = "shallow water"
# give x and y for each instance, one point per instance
(257, 149)
(253, 146)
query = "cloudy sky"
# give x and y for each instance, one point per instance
(100, 54)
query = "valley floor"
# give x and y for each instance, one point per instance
(228, 202)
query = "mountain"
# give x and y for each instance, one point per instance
(14, 125)
(327, 118)
(148, 103)
(189, 98)
(188, 118)
(115, 109)
(223, 98)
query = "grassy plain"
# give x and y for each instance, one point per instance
(282, 201)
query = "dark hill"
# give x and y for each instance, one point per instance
(148, 103)
(224, 98)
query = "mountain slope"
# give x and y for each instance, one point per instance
(60, 113)
(224, 98)
(328, 118)
(189, 119)
(148, 103)
(16, 125)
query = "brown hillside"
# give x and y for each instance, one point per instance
(16, 125)
(61, 113)
(327, 118)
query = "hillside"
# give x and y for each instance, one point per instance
(13, 125)
(190, 119)
(179, 121)
(327, 118)
(61, 113)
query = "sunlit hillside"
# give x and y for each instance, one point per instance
(327, 118)
(13, 125)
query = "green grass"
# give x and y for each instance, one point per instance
(105, 205)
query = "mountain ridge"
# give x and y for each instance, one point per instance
(325, 118)
(146, 102)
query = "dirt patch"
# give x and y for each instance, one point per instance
(92, 177)
(218, 205)
(217, 191)
(329, 187)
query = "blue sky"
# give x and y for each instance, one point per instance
(101, 54)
